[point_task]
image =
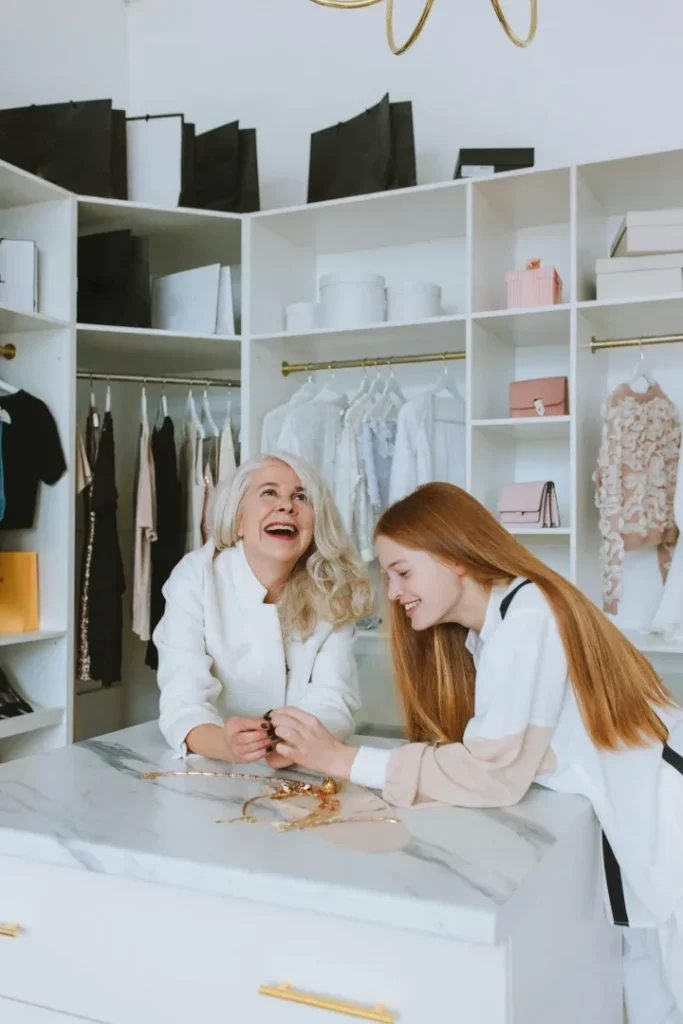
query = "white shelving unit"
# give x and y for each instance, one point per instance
(463, 235)
(41, 663)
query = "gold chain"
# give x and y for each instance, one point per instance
(512, 36)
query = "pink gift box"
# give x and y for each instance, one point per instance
(535, 286)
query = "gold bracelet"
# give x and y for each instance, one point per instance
(512, 36)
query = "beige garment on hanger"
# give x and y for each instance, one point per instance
(209, 488)
(145, 535)
(227, 462)
(192, 479)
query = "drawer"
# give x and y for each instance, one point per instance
(126, 952)
(13, 1012)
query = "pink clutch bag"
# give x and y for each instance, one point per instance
(532, 504)
(544, 396)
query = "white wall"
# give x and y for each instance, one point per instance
(56, 50)
(603, 78)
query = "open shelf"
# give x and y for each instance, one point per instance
(14, 321)
(525, 429)
(652, 643)
(518, 218)
(41, 718)
(32, 637)
(144, 347)
(19, 188)
(342, 336)
(143, 218)
(539, 531)
(536, 325)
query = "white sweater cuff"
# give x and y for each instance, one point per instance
(369, 767)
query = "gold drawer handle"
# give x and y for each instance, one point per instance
(378, 1013)
(10, 931)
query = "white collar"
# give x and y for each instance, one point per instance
(492, 617)
(247, 584)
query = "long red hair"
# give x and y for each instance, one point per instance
(616, 687)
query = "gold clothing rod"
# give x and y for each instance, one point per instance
(8, 351)
(132, 378)
(366, 364)
(655, 339)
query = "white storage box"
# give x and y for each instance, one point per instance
(301, 317)
(638, 276)
(413, 300)
(650, 232)
(352, 299)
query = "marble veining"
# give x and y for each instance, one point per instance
(87, 808)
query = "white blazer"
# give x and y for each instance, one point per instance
(221, 653)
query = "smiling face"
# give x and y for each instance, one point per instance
(428, 590)
(276, 517)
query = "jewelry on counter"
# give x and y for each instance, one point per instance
(285, 789)
(325, 793)
(314, 821)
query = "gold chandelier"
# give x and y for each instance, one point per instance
(349, 5)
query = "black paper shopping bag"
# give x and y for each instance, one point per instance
(352, 158)
(249, 193)
(70, 144)
(216, 168)
(113, 280)
(403, 169)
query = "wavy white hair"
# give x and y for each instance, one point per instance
(329, 582)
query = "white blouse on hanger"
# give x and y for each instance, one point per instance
(313, 431)
(430, 444)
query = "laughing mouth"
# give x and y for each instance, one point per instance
(287, 530)
(411, 605)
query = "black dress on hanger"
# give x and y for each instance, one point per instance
(106, 584)
(168, 548)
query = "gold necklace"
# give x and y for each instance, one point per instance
(326, 792)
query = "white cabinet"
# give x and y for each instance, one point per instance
(123, 951)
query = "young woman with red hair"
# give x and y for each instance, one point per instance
(509, 675)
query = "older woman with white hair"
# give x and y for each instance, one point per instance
(262, 617)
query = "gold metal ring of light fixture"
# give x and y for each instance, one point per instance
(512, 36)
(347, 6)
(350, 5)
(414, 35)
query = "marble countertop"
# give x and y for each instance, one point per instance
(465, 874)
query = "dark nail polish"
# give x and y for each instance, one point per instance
(264, 725)
(269, 750)
(268, 714)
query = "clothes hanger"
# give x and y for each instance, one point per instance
(206, 415)
(9, 388)
(444, 387)
(192, 417)
(107, 398)
(640, 371)
(389, 395)
(143, 404)
(94, 412)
